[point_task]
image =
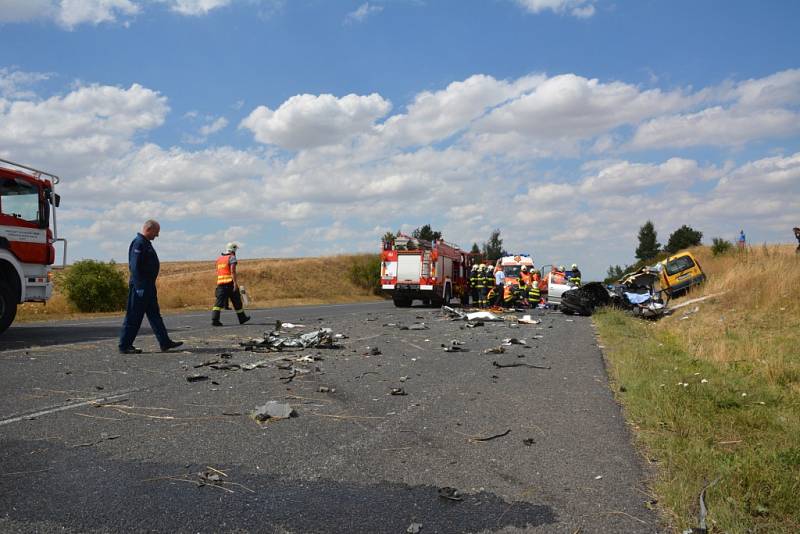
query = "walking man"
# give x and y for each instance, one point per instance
(143, 265)
(227, 286)
(499, 286)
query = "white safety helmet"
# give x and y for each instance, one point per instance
(574, 266)
(475, 267)
(231, 247)
(524, 269)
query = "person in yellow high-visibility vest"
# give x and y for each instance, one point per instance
(227, 286)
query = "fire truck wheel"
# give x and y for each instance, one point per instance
(8, 307)
(401, 302)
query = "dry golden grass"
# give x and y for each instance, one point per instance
(269, 283)
(756, 319)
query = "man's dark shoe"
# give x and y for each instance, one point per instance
(216, 323)
(171, 345)
(130, 350)
(244, 320)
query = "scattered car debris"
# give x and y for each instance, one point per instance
(255, 365)
(484, 315)
(473, 324)
(495, 350)
(104, 436)
(398, 391)
(326, 389)
(224, 355)
(273, 411)
(196, 378)
(416, 326)
(228, 366)
(454, 348)
(414, 528)
(519, 364)
(451, 494)
(513, 341)
(373, 351)
(322, 338)
(526, 319)
(703, 512)
(490, 438)
(528, 441)
(206, 363)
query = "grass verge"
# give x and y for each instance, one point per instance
(716, 395)
(269, 283)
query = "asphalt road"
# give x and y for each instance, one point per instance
(95, 441)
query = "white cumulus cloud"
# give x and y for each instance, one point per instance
(362, 12)
(307, 121)
(195, 7)
(576, 8)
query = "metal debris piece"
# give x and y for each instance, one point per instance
(225, 366)
(255, 365)
(473, 324)
(273, 411)
(528, 441)
(503, 365)
(484, 315)
(225, 355)
(373, 351)
(414, 528)
(489, 438)
(278, 341)
(514, 341)
(196, 378)
(495, 350)
(326, 389)
(451, 494)
(454, 313)
(398, 391)
(526, 319)
(455, 348)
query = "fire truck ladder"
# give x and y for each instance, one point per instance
(54, 180)
(426, 264)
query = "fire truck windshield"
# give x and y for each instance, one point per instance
(19, 199)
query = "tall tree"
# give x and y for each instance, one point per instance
(427, 233)
(683, 237)
(388, 237)
(493, 249)
(475, 249)
(648, 242)
(614, 273)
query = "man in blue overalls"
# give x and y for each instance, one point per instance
(142, 297)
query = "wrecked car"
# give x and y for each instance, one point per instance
(583, 300)
(553, 285)
(637, 293)
(680, 272)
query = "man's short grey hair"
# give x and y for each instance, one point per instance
(149, 224)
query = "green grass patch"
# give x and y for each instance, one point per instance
(699, 421)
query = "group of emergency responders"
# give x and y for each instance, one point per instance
(488, 287)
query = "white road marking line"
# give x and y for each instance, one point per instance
(69, 406)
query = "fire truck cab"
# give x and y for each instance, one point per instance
(416, 269)
(28, 204)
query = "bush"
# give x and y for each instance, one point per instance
(94, 286)
(365, 272)
(720, 246)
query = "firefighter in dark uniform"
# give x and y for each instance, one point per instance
(142, 296)
(575, 275)
(475, 282)
(227, 286)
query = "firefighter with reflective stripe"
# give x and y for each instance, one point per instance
(534, 295)
(227, 286)
(483, 288)
(488, 281)
(475, 282)
(575, 275)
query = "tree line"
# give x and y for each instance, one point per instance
(491, 249)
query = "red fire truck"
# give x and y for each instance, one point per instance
(28, 234)
(430, 271)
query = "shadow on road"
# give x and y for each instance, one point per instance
(158, 497)
(23, 337)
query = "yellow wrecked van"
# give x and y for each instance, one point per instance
(679, 273)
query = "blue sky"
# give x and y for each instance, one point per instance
(310, 127)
